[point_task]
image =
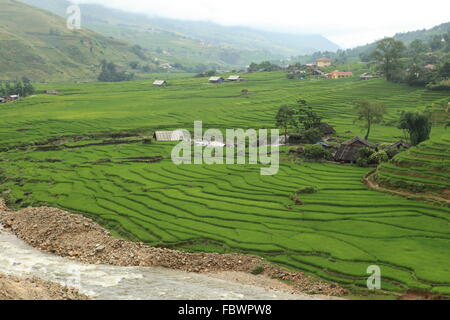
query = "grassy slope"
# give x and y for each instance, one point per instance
(425, 168)
(27, 48)
(336, 234)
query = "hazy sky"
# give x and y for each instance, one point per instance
(346, 22)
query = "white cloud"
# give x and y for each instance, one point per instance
(347, 22)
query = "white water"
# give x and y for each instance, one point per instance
(124, 283)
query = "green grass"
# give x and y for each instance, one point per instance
(339, 231)
(425, 168)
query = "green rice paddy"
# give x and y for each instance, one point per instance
(53, 154)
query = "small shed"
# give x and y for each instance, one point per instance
(176, 135)
(400, 145)
(52, 92)
(235, 78)
(160, 83)
(14, 97)
(366, 76)
(348, 149)
(2, 100)
(216, 80)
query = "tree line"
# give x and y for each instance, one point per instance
(22, 88)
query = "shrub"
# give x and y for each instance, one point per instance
(257, 270)
(307, 190)
(378, 157)
(317, 152)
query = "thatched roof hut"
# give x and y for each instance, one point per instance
(348, 149)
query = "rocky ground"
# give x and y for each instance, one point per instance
(76, 237)
(12, 288)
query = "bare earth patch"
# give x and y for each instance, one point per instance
(12, 288)
(79, 238)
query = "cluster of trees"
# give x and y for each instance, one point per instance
(22, 88)
(302, 120)
(264, 66)
(402, 63)
(109, 73)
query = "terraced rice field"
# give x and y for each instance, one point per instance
(425, 168)
(336, 234)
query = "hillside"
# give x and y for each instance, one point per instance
(38, 45)
(423, 169)
(192, 43)
(335, 234)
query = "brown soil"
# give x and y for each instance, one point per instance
(76, 237)
(12, 288)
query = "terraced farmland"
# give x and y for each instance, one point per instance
(54, 154)
(425, 168)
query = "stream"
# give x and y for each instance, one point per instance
(124, 283)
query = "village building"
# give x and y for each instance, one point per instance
(348, 150)
(235, 78)
(52, 92)
(14, 97)
(323, 62)
(400, 145)
(366, 76)
(160, 83)
(2, 100)
(339, 75)
(176, 135)
(216, 80)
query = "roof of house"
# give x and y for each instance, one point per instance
(215, 78)
(176, 135)
(429, 66)
(234, 77)
(324, 60)
(159, 82)
(341, 73)
(347, 153)
(400, 144)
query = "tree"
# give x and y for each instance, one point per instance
(306, 117)
(388, 54)
(444, 70)
(109, 73)
(369, 113)
(285, 118)
(417, 125)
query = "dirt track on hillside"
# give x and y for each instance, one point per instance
(374, 186)
(76, 237)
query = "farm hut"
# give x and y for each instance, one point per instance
(366, 76)
(2, 100)
(327, 129)
(160, 83)
(339, 75)
(52, 92)
(216, 80)
(400, 145)
(176, 135)
(14, 97)
(429, 67)
(348, 149)
(235, 78)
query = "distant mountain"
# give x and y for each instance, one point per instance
(37, 44)
(191, 43)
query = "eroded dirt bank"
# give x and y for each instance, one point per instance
(12, 288)
(76, 237)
